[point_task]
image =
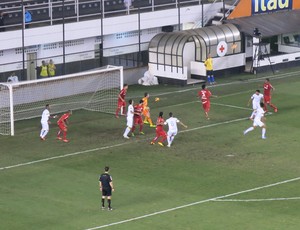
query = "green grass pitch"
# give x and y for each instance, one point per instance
(213, 177)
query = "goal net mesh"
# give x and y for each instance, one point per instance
(94, 90)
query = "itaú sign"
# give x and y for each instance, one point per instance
(267, 6)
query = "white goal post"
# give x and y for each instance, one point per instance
(95, 90)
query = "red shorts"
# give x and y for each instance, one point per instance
(138, 120)
(121, 103)
(267, 99)
(206, 106)
(62, 126)
(161, 133)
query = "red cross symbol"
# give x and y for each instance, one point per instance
(222, 48)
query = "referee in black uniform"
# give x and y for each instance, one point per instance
(106, 187)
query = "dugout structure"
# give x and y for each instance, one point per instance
(95, 90)
(176, 57)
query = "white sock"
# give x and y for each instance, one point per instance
(249, 130)
(43, 133)
(169, 140)
(263, 132)
(127, 130)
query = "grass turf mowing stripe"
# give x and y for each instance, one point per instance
(111, 146)
(194, 203)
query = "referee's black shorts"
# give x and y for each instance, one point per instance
(106, 191)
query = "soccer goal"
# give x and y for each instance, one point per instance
(95, 90)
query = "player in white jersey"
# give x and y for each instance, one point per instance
(45, 122)
(130, 114)
(172, 124)
(256, 99)
(259, 120)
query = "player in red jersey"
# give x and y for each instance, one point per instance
(204, 95)
(137, 119)
(63, 128)
(267, 95)
(160, 132)
(122, 101)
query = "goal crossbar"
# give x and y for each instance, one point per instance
(94, 90)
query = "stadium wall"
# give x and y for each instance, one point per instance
(120, 36)
(92, 28)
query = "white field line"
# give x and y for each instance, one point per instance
(231, 106)
(213, 103)
(63, 156)
(257, 200)
(194, 203)
(234, 94)
(215, 124)
(109, 146)
(271, 77)
(186, 103)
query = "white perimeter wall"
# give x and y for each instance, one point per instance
(120, 36)
(220, 63)
(92, 28)
(83, 36)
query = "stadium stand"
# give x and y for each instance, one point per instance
(114, 5)
(161, 2)
(68, 10)
(141, 3)
(45, 10)
(86, 8)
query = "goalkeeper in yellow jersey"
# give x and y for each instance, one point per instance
(146, 111)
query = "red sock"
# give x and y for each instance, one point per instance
(163, 138)
(64, 135)
(117, 111)
(124, 110)
(141, 127)
(155, 138)
(273, 106)
(133, 128)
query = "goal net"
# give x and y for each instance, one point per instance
(92, 90)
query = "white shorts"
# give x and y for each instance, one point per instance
(172, 133)
(258, 123)
(129, 122)
(255, 106)
(45, 125)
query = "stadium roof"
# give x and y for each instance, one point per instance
(269, 24)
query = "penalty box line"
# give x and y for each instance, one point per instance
(110, 146)
(272, 77)
(63, 156)
(213, 103)
(107, 147)
(195, 203)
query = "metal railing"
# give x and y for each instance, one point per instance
(209, 14)
(50, 12)
(228, 10)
